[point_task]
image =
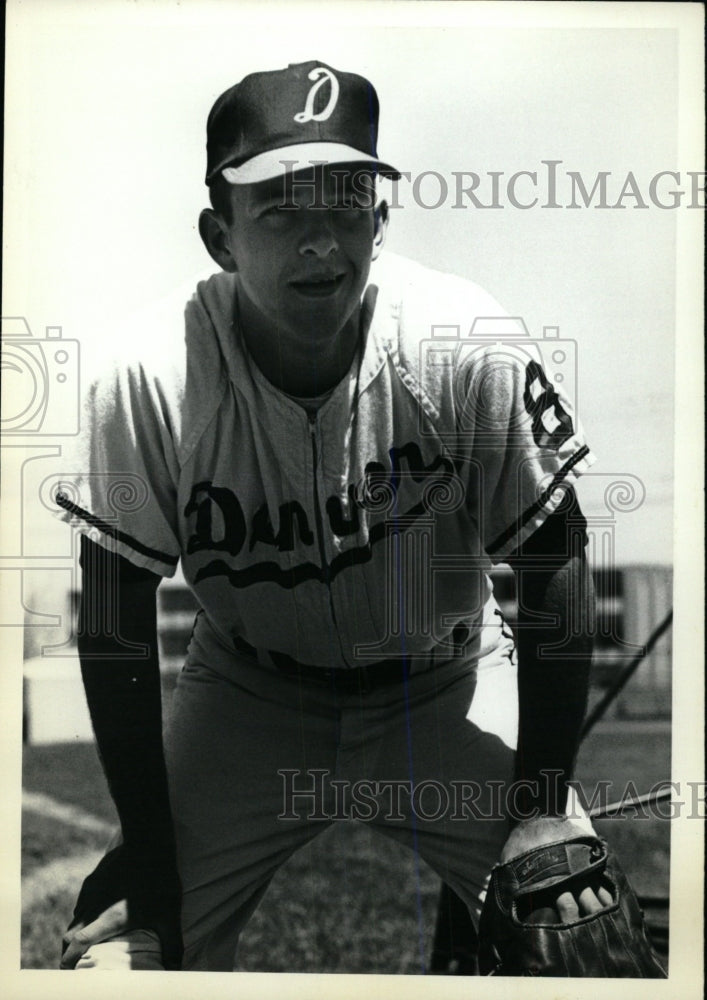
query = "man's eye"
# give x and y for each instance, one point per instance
(278, 208)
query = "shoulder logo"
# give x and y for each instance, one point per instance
(320, 75)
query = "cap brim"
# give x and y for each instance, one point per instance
(302, 156)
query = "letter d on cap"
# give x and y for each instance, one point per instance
(321, 75)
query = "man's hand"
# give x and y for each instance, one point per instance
(560, 905)
(80, 936)
(127, 892)
(568, 906)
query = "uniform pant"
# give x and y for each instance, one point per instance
(260, 763)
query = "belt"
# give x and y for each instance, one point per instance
(345, 680)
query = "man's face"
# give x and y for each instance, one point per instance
(303, 246)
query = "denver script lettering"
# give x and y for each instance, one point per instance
(206, 501)
(292, 517)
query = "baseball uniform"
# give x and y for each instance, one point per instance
(321, 540)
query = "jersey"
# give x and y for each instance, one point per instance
(359, 533)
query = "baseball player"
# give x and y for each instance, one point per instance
(336, 464)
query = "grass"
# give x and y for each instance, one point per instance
(351, 901)
(43, 841)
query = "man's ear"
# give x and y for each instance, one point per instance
(214, 233)
(380, 216)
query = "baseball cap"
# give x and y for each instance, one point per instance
(276, 122)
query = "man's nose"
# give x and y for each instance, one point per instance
(319, 236)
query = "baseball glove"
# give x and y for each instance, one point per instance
(520, 932)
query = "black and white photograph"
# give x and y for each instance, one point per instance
(352, 515)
